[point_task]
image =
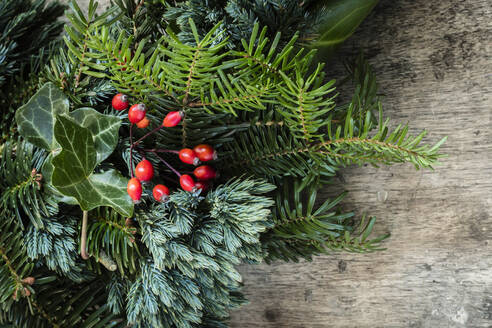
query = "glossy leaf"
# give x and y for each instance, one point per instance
(104, 130)
(73, 171)
(341, 19)
(36, 119)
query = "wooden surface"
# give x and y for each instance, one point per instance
(432, 60)
(433, 63)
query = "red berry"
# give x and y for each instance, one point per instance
(203, 185)
(187, 183)
(134, 189)
(120, 101)
(172, 119)
(144, 171)
(205, 152)
(143, 123)
(136, 113)
(204, 172)
(160, 192)
(188, 156)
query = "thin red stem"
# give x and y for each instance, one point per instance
(170, 179)
(147, 134)
(162, 151)
(167, 164)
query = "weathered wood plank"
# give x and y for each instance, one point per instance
(433, 63)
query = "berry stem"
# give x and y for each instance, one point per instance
(161, 151)
(142, 152)
(131, 150)
(167, 164)
(147, 134)
(170, 179)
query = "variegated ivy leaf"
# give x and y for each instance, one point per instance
(36, 119)
(104, 130)
(73, 171)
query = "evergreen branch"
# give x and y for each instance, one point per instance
(193, 63)
(304, 230)
(187, 62)
(20, 184)
(365, 96)
(80, 33)
(301, 229)
(111, 233)
(273, 151)
(131, 72)
(81, 63)
(142, 75)
(13, 264)
(117, 290)
(44, 314)
(229, 95)
(258, 62)
(357, 147)
(304, 105)
(55, 245)
(231, 102)
(27, 28)
(60, 303)
(8, 264)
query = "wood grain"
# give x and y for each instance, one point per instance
(433, 62)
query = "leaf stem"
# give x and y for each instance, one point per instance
(83, 240)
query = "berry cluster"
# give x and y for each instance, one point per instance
(144, 171)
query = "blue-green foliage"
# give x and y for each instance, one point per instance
(54, 244)
(194, 243)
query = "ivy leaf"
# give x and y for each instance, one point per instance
(73, 171)
(104, 130)
(341, 19)
(36, 119)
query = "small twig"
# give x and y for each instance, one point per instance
(83, 240)
(107, 261)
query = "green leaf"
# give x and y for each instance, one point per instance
(73, 171)
(104, 130)
(36, 119)
(341, 19)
